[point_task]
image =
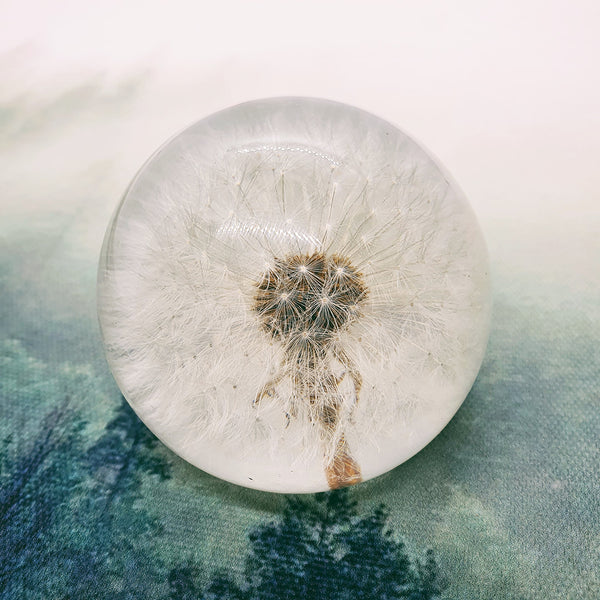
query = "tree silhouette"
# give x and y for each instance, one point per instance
(121, 456)
(182, 582)
(72, 519)
(120, 562)
(322, 549)
(35, 487)
(39, 475)
(428, 583)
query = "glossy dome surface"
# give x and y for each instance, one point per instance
(293, 295)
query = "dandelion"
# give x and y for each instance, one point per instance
(293, 296)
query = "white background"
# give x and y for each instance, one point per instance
(506, 93)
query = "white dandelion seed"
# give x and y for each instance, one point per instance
(293, 296)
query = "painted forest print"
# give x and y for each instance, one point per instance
(73, 525)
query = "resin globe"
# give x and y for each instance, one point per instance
(293, 295)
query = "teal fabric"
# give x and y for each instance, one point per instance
(503, 504)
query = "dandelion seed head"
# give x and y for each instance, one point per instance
(291, 281)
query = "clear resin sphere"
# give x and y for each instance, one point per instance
(293, 295)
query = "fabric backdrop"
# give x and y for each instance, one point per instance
(504, 503)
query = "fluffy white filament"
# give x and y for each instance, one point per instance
(211, 213)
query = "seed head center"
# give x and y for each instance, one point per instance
(315, 281)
